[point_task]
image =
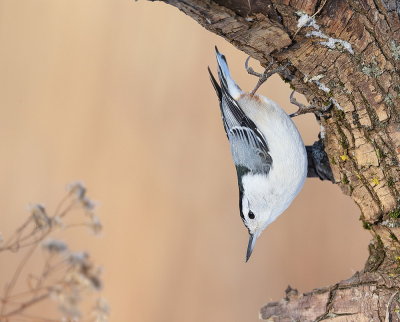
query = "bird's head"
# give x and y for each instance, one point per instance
(257, 207)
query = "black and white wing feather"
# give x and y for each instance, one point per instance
(249, 148)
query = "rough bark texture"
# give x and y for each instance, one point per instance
(346, 56)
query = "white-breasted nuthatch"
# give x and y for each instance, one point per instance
(267, 149)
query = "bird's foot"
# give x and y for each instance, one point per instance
(268, 72)
(303, 109)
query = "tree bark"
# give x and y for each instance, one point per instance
(344, 54)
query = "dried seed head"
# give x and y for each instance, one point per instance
(78, 189)
(56, 221)
(96, 224)
(101, 311)
(95, 282)
(78, 258)
(54, 246)
(40, 217)
(83, 273)
(69, 300)
(87, 203)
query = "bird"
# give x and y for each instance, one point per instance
(267, 150)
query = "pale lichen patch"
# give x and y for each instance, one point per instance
(322, 87)
(316, 81)
(306, 21)
(395, 49)
(331, 43)
(372, 69)
(389, 100)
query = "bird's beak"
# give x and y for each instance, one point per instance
(252, 243)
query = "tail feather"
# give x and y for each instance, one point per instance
(217, 88)
(225, 76)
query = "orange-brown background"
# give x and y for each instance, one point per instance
(115, 93)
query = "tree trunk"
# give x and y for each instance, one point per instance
(343, 54)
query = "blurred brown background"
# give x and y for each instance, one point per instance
(115, 93)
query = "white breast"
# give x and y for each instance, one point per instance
(289, 157)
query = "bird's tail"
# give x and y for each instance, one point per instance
(225, 76)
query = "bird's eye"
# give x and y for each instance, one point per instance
(251, 215)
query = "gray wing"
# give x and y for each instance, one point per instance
(248, 151)
(249, 148)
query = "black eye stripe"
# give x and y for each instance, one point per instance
(251, 215)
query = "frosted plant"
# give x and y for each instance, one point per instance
(66, 278)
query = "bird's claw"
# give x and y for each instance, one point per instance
(265, 75)
(303, 109)
(251, 71)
